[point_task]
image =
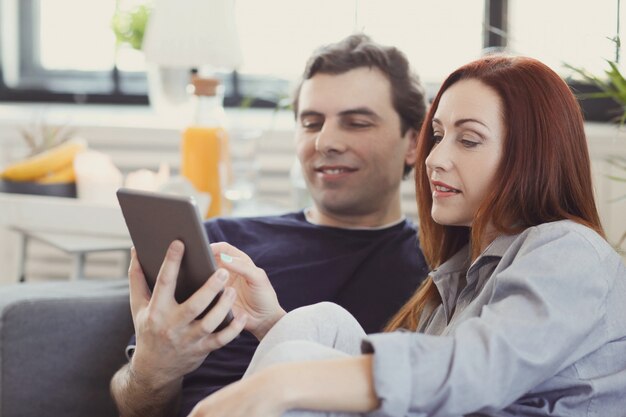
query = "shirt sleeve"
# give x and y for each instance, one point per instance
(543, 312)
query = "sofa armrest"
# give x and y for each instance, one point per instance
(60, 344)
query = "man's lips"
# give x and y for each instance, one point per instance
(334, 169)
(443, 189)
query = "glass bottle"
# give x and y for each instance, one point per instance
(204, 148)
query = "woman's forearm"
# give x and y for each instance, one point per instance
(344, 384)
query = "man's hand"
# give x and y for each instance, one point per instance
(170, 341)
(256, 297)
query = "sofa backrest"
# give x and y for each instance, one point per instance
(60, 344)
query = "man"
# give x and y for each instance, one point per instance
(358, 111)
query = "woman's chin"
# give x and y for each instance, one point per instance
(448, 221)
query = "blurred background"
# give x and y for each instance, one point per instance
(67, 50)
(116, 74)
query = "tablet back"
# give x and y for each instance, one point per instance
(154, 221)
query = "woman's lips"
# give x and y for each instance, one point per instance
(441, 189)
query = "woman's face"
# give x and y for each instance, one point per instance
(468, 140)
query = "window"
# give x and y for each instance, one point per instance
(565, 31)
(65, 49)
(278, 36)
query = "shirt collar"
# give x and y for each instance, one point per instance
(309, 218)
(499, 246)
(450, 275)
(460, 261)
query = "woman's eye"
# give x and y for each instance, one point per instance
(437, 138)
(469, 143)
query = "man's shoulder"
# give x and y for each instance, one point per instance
(292, 218)
(297, 219)
(293, 229)
(235, 228)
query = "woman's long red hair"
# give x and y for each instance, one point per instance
(544, 175)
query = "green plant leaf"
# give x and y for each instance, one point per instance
(129, 26)
(617, 162)
(613, 86)
(617, 199)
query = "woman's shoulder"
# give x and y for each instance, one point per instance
(573, 250)
(576, 258)
(566, 235)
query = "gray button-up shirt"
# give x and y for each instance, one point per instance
(536, 326)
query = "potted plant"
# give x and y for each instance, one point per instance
(129, 26)
(602, 99)
(611, 90)
(48, 169)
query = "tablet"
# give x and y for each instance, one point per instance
(155, 220)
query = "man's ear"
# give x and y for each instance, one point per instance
(411, 151)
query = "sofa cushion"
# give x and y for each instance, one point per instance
(60, 344)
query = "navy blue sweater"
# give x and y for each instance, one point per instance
(371, 273)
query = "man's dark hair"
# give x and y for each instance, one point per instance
(356, 51)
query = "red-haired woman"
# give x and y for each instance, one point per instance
(524, 312)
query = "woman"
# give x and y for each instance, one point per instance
(523, 313)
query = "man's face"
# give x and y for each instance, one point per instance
(350, 145)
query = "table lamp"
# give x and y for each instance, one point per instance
(185, 34)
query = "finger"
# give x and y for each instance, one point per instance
(228, 249)
(194, 305)
(220, 339)
(216, 315)
(138, 287)
(165, 286)
(237, 262)
(240, 267)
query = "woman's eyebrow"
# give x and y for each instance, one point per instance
(462, 121)
(469, 120)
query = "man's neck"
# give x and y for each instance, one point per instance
(320, 217)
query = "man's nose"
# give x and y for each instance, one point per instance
(330, 139)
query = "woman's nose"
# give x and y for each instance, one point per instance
(440, 157)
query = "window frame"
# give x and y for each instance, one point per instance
(36, 83)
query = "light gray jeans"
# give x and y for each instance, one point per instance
(317, 332)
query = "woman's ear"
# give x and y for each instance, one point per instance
(411, 151)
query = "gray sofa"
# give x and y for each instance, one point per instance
(60, 343)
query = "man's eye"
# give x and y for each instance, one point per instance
(359, 125)
(312, 125)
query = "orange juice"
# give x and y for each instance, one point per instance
(203, 150)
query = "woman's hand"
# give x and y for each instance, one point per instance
(256, 297)
(256, 396)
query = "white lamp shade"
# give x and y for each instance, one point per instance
(192, 33)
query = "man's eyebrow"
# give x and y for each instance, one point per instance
(365, 111)
(310, 113)
(462, 121)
